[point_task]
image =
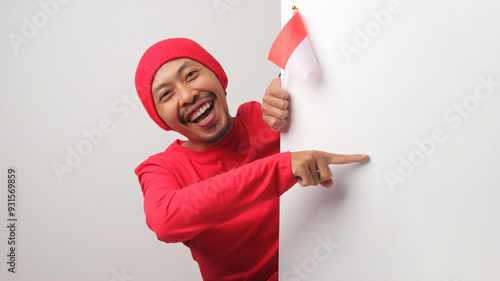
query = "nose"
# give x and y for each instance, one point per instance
(187, 96)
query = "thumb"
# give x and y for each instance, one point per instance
(327, 183)
(333, 158)
(276, 82)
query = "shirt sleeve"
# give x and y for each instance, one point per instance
(177, 213)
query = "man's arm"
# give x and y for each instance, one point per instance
(177, 213)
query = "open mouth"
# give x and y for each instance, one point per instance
(202, 114)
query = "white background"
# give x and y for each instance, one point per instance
(75, 70)
(410, 79)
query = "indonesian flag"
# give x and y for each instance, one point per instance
(292, 51)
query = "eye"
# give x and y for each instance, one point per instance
(164, 95)
(191, 74)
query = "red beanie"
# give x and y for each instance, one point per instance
(159, 54)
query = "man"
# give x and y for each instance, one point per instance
(218, 191)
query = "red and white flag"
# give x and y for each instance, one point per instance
(292, 50)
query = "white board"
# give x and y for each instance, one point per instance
(416, 85)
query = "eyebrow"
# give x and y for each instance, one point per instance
(179, 71)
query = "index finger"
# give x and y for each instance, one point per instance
(333, 158)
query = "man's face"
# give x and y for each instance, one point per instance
(190, 99)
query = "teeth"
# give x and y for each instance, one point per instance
(200, 112)
(206, 118)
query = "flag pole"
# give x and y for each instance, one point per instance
(283, 72)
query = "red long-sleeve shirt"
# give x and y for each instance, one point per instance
(223, 202)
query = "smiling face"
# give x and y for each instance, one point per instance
(191, 100)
